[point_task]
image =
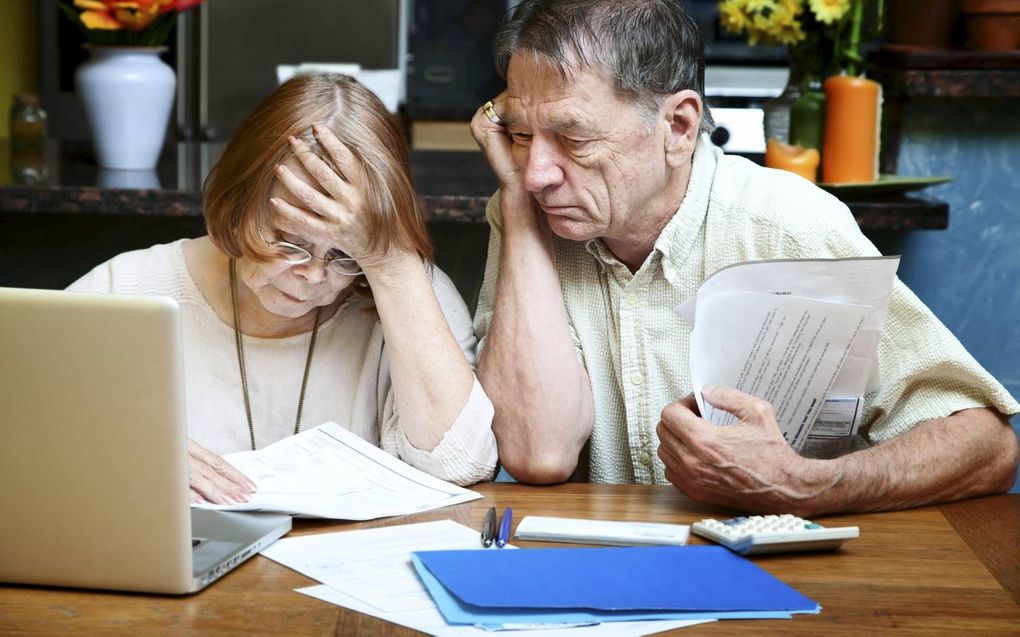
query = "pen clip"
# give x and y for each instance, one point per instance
(504, 528)
(489, 527)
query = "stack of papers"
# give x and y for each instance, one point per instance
(370, 571)
(802, 334)
(329, 472)
(497, 589)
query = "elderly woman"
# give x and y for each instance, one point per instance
(313, 297)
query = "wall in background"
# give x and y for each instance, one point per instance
(969, 275)
(17, 54)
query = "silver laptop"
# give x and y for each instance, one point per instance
(93, 450)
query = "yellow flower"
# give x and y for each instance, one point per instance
(785, 28)
(732, 16)
(770, 22)
(829, 11)
(792, 6)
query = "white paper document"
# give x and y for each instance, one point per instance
(370, 571)
(801, 334)
(330, 472)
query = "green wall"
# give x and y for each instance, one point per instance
(18, 57)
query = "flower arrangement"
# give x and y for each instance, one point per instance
(828, 32)
(140, 23)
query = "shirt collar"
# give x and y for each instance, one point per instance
(680, 234)
(678, 237)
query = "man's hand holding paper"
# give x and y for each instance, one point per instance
(731, 465)
(786, 350)
(800, 334)
(782, 353)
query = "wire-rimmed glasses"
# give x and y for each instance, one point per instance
(296, 255)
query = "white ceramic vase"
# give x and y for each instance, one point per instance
(127, 93)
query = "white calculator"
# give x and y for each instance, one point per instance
(753, 534)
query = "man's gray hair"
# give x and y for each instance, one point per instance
(651, 48)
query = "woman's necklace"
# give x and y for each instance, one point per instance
(240, 358)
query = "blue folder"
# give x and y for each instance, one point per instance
(457, 613)
(605, 584)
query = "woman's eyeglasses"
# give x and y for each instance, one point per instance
(295, 255)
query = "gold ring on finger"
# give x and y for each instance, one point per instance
(491, 113)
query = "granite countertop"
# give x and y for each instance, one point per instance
(454, 185)
(907, 72)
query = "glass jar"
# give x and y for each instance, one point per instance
(27, 121)
(777, 111)
(805, 77)
(28, 165)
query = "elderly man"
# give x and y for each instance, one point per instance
(613, 208)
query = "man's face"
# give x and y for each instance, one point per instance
(594, 165)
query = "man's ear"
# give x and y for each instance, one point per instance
(682, 113)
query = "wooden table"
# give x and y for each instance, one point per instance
(951, 569)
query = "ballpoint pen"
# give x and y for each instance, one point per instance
(504, 528)
(489, 527)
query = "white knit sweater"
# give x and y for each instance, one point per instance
(349, 381)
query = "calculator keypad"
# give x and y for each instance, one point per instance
(772, 533)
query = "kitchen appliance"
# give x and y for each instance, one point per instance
(739, 78)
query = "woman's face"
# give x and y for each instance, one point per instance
(293, 290)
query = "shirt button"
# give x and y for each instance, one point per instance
(637, 379)
(644, 458)
(630, 299)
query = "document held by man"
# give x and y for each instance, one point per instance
(329, 472)
(802, 334)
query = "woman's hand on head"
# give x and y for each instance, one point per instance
(332, 206)
(213, 479)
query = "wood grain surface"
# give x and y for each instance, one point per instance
(945, 570)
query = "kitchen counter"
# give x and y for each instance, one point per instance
(454, 185)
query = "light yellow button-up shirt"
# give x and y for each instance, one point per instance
(636, 349)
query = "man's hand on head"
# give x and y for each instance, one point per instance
(747, 466)
(489, 131)
(489, 128)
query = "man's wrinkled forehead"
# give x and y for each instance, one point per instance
(564, 70)
(562, 116)
(537, 87)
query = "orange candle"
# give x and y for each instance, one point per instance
(796, 159)
(852, 113)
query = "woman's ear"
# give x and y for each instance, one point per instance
(682, 112)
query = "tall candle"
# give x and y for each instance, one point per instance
(852, 114)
